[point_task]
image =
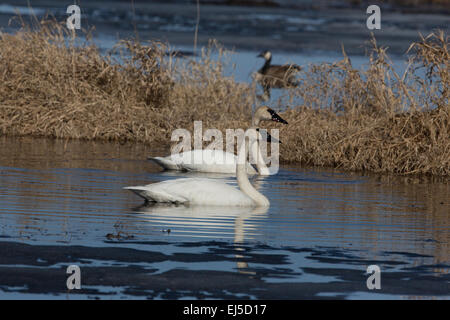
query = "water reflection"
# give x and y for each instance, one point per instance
(203, 219)
(70, 192)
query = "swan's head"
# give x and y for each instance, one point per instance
(265, 113)
(267, 55)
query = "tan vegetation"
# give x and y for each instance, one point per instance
(67, 89)
(376, 120)
(373, 120)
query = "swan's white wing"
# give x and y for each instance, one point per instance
(166, 162)
(199, 160)
(194, 192)
(152, 193)
(209, 160)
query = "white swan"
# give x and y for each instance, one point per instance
(209, 192)
(218, 161)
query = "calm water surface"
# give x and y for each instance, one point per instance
(322, 230)
(62, 202)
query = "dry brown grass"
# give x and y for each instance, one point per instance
(373, 120)
(65, 89)
(376, 120)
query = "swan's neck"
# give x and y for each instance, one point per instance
(256, 150)
(255, 121)
(260, 163)
(242, 178)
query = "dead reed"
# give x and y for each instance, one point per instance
(55, 85)
(375, 120)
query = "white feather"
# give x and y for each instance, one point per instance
(207, 160)
(193, 191)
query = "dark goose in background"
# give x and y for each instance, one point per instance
(276, 76)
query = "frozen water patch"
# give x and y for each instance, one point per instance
(9, 9)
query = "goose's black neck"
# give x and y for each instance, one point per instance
(266, 65)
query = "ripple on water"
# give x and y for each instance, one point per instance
(51, 194)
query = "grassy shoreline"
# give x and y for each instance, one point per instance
(373, 120)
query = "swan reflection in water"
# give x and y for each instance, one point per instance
(207, 220)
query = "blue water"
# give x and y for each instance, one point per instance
(321, 223)
(70, 193)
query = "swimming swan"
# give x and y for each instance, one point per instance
(209, 192)
(217, 161)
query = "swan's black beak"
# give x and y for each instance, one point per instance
(261, 55)
(269, 138)
(276, 117)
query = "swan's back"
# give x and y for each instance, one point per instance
(217, 161)
(194, 191)
(166, 163)
(206, 160)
